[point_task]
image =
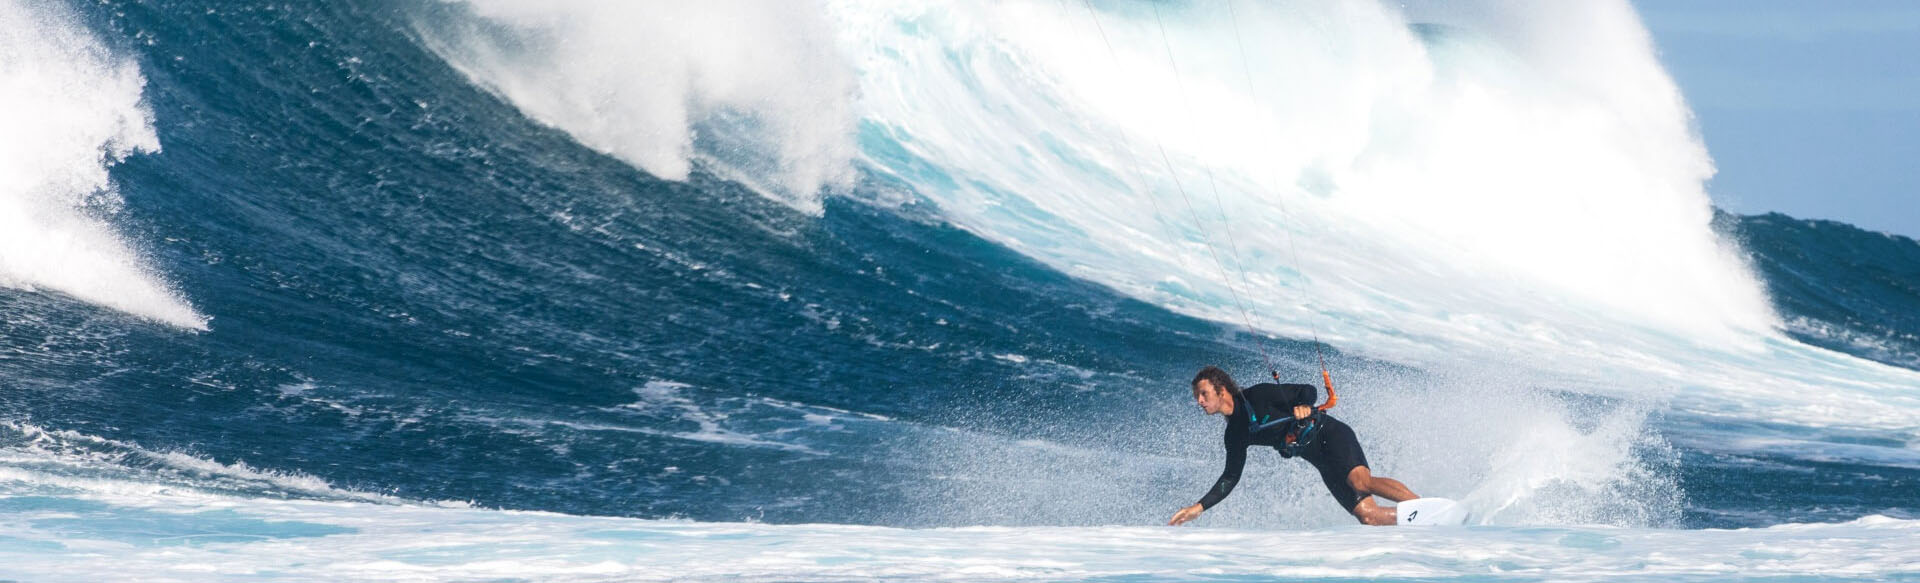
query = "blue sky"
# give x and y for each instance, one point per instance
(1809, 108)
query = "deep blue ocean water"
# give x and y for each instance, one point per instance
(418, 293)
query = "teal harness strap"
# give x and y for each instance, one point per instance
(1259, 423)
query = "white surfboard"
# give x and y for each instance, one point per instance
(1431, 512)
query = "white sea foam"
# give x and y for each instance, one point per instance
(70, 109)
(36, 457)
(642, 81)
(86, 534)
(76, 510)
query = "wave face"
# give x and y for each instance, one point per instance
(290, 276)
(1848, 289)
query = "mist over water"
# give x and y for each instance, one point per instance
(613, 277)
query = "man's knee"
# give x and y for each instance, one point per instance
(1372, 514)
(1360, 480)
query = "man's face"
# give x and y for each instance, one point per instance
(1211, 400)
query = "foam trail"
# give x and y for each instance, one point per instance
(64, 460)
(93, 535)
(71, 110)
(648, 82)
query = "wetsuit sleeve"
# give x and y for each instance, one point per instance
(1293, 395)
(1236, 459)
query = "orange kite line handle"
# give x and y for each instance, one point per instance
(1332, 399)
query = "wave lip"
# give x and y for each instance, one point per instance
(758, 89)
(72, 111)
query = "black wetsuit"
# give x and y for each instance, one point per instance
(1263, 415)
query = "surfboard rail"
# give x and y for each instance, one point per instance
(1431, 512)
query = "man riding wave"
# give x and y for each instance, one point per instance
(1282, 416)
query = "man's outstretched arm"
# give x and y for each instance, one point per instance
(1236, 460)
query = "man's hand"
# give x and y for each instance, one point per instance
(1302, 411)
(1186, 514)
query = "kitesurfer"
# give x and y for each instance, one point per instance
(1282, 416)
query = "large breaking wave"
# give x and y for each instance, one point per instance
(900, 264)
(1479, 186)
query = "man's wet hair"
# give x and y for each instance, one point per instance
(1218, 378)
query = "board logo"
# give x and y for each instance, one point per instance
(1413, 515)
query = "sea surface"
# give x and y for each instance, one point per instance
(856, 289)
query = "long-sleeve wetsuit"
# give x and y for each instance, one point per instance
(1263, 415)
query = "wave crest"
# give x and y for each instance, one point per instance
(757, 89)
(72, 110)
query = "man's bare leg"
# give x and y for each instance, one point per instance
(1372, 514)
(1363, 481)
